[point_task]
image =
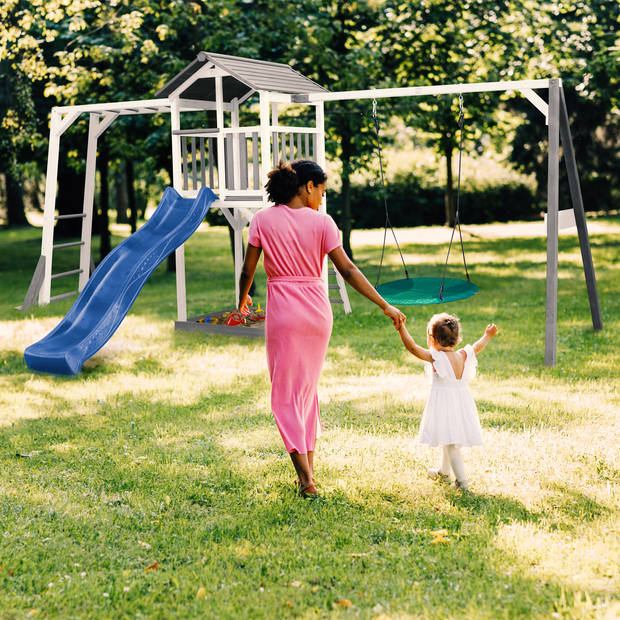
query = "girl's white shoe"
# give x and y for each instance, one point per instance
(461, 485)
(436, 474)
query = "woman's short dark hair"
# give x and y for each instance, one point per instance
(286, 179)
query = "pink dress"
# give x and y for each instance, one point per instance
(299, 315)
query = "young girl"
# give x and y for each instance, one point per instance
(450, 418)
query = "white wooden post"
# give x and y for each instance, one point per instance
(320, 160)
(47, 240)
(236, 163)
(89, 197)
(95, 129)
(553, 177)
(265, 142)
(177, 183)
(221, 145)
(320, 144)
(240, 222)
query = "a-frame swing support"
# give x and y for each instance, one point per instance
(556, 116)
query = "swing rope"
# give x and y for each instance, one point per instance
(457, 222)
(387, 217)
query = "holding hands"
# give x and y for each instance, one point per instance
(398, 318)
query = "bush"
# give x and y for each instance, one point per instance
(410, 204)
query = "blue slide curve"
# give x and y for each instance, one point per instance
(115, 284)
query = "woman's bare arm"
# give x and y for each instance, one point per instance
(252, 254)
(347, 269)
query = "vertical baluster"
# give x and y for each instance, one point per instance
(211, 156)
(275, 148)
(307, 149)
(230, 180)
(255, 162)
(184, 159)
(299, 153)
(283, 143)
(291, 146)
(243, 160)
(314, 145)
(194, 164)
(202, 162)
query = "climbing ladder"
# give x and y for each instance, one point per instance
(39, 290)
(338, 285)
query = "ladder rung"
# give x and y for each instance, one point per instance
(66, 273)
(68, 217)
(334, 286)
(331, 272)
(68, 245)
(336, 301)
(63, 296)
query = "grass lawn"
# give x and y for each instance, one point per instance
(155, 484)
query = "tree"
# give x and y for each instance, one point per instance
(590, 77)
(17, 128)
(338, 52)
(446, 42)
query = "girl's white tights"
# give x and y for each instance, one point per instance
(451, 457)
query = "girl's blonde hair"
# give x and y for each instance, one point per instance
(445, 329)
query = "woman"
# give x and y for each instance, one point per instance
(295, 238)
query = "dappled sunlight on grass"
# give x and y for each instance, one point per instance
(585, 559)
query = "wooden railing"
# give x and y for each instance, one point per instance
(199, 155)
(294, 144)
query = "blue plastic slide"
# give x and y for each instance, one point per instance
(115, 284)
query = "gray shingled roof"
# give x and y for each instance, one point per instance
(246, 74)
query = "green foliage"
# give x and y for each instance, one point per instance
(412, 203)
(590, 75)
(56, 52)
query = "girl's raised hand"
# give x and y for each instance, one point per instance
(398, 318)
(491, 330)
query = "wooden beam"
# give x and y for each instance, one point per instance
(553, 185)
(580, 215)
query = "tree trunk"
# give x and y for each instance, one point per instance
(15, 211)
(131, 196)
(449, 193)
(120, 191)
(31, 189)
(104, 202)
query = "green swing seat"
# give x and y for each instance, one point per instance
(424, 291)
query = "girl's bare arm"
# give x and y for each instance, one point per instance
(489, 332)
(412, 347)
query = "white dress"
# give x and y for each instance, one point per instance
(450, 415)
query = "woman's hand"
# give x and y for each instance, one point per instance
(398, 318)
(243, 306)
